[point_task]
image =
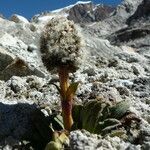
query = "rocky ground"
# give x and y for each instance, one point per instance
(117, 67)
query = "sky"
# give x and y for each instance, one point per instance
(29, 8)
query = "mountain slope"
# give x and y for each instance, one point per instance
(137, 33)
(80, 12)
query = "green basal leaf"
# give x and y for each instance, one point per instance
(111, 121)
(100, 117)
(56, 122)
(59, 120)
(53, 146)
(110, 125)
(93, 117)
(62, 138)
(106, 125)
(86, 113)
(119, 109)
(59, 139)
(76, 114)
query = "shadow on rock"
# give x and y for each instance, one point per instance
(23, 122)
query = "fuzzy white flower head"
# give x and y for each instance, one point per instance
(61, 45)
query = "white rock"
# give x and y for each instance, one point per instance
(7, 40)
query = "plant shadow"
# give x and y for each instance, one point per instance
(23, 122)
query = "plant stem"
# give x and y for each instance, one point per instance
(64, 81)
(66, 103)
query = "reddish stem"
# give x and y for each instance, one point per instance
(66, 103)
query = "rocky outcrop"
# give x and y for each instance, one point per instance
(102, 12)
(18, 19)
(87, 13)
(17, 40)
(81, 12)
(12, 66)
(137, 33)
(24, 31)
(5, 58)
(142, 14)
(117, 19)
(19, 67)
(130, 33)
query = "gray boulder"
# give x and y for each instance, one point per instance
(19, 67)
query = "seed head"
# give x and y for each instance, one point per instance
(61, 45)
